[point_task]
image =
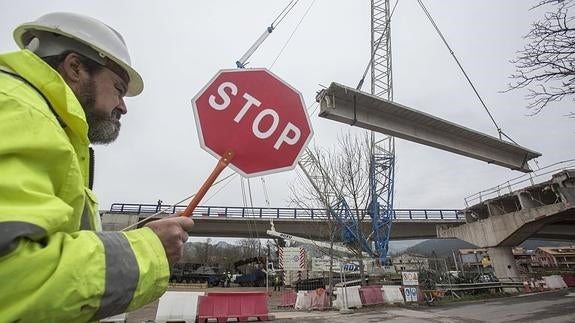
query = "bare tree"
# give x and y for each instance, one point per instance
(546, 65)
(203, 251)
(348, 169)
(250, 248)
(352, 169)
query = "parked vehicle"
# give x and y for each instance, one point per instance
(195, 273)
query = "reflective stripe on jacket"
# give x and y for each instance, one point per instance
(53, 267)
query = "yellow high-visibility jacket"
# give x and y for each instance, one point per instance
(55, 264)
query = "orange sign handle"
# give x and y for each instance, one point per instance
(222, 163)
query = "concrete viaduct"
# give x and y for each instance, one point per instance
(540, 211)
(240, 222)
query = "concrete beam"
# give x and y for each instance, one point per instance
(356, 108)
(213, 226)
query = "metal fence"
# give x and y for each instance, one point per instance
(280, 213)
(519, 182)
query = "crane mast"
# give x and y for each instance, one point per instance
(382, 163)
(382, 156)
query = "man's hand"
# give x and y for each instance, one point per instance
(173, 232)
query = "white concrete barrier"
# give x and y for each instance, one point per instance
(554, 282)
(392, 294)
(178, 306)
(120, 318)
(302, 301)
(353, 298)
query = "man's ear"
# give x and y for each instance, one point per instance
(71, 69)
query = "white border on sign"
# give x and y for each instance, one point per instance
(213, 153)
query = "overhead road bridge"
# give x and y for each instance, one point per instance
(253, 222)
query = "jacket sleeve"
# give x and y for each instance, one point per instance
(50, 271)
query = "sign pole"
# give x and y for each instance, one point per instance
(221, 165)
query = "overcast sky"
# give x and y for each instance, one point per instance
(178, 46)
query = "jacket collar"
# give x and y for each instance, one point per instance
(52, 85)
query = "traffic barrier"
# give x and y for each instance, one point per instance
(540, 285)
(239, 306)
(318, 299)
(288, 299)
(526, 287)
(351, 294)
(392, 294)
(371, 295)
(303, 300)
(120, 318)
(554, 282)
(175, 306)
(569, 279)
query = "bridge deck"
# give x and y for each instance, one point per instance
(247, 222)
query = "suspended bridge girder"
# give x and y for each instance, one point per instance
(353, 107)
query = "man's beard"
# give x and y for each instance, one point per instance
(102, 128)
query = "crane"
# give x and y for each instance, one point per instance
(320, 244)
(382, 156)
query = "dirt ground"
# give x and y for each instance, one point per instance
(148, 312)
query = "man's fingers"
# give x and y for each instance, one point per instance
(185, 237)
(185, 222)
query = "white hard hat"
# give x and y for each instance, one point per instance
(82, 34)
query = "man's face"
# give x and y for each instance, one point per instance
(102, 97)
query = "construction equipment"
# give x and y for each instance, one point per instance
(256, 277)
(320, 244)
(195, 273)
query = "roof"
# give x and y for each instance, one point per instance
(560, 250)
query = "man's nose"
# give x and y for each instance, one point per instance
(122, 106)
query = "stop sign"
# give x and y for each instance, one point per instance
(257, 116)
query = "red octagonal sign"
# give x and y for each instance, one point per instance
(257, 116)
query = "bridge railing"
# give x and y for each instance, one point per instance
(536, 176)
(278, 213)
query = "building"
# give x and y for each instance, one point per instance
(562, 256)
(410, 262)
(475, 260)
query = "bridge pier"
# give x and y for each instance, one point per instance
(503, 263)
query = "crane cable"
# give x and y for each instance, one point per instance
(252, 208)
(167, 208)
(292, 34)
(281, 16)
(284, 13)
(243, 61)
(250, 214)
(428, 14)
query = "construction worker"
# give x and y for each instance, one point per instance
(228, 279)
(62, 91)
(277, 282)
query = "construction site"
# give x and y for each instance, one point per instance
(352, 238)
(330, 250)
